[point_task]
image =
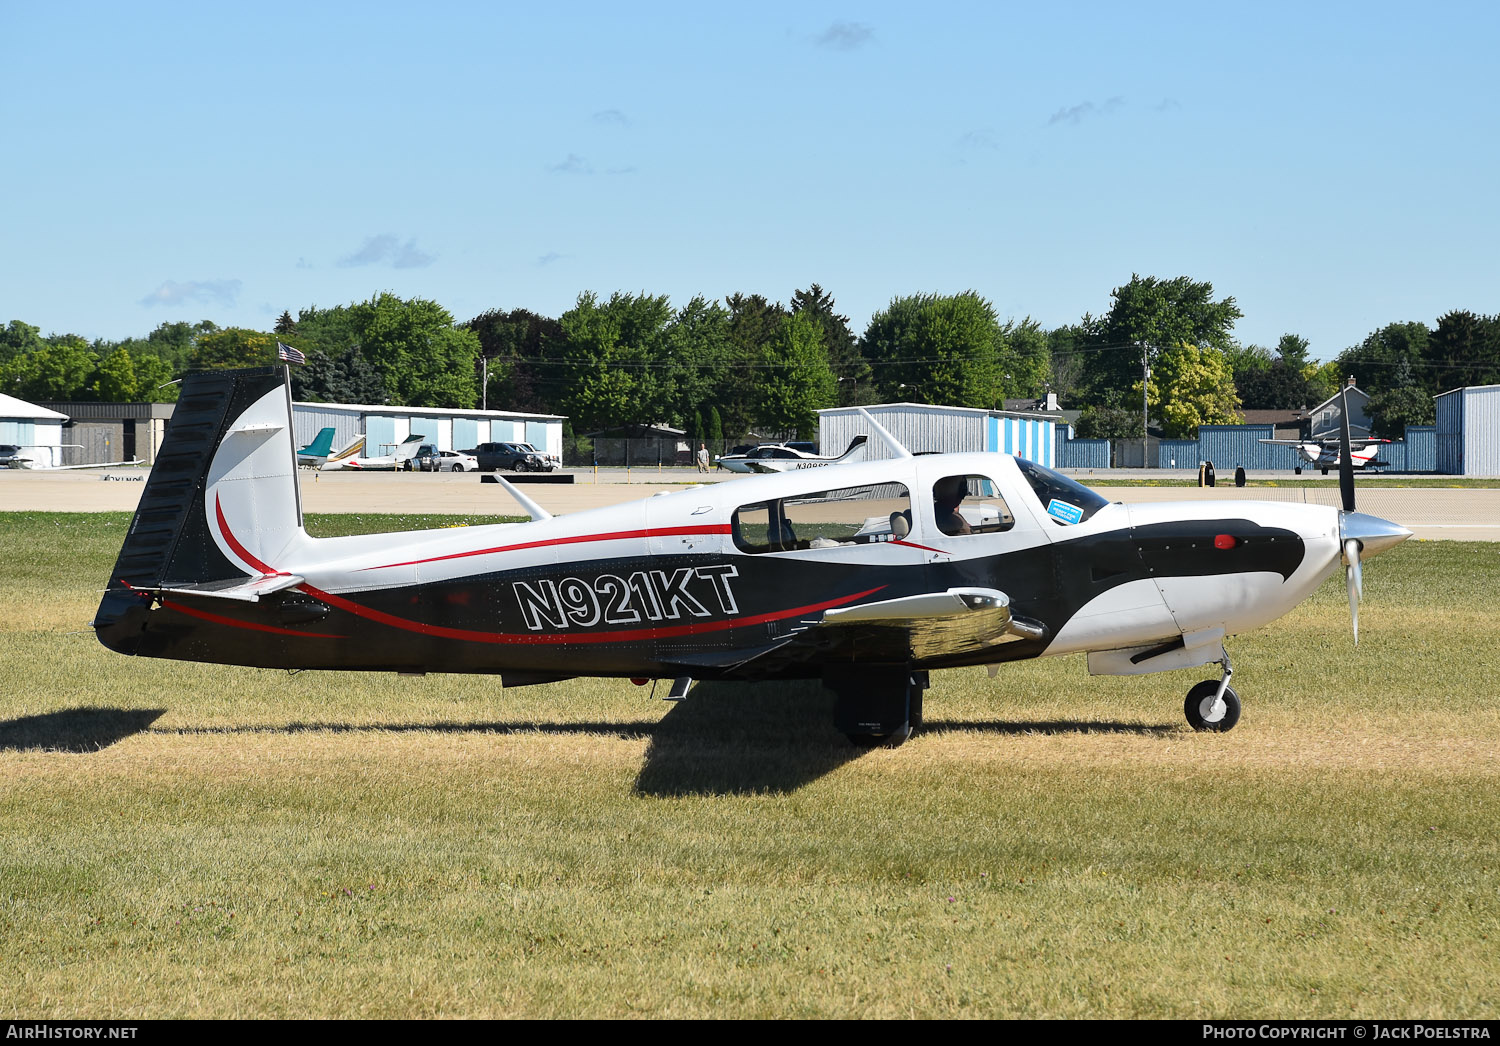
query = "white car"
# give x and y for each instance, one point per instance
(457, 461)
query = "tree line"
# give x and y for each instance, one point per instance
(725, 368)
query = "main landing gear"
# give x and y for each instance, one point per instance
(1213, 705)
(877, 704)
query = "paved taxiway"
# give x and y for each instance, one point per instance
(1458, 513)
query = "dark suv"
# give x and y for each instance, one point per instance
(509, 456)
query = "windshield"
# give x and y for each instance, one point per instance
(1065, 500)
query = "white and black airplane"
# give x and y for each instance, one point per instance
(1326, 453)
(866, 575)
(778, 457)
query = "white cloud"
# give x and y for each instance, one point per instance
(387, 249)
(846, 36)
(574, 164)
(219, 292)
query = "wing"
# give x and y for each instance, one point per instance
(935, 624)
(923, 627)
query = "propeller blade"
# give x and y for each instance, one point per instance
(1354, 580)
(1346, 454)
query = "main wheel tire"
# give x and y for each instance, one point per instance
(890, 740)
(457, 467)
(1199, 707)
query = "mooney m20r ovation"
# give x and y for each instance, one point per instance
(864, 575)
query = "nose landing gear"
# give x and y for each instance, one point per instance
(1213, 705)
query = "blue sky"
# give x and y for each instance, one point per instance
(1331, 166)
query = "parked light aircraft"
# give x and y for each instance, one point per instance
(41, 457)
(866, 575)
(316, 452)
(401, 459)
(773, 457)
(1325, 454)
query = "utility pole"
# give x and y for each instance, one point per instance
(484, 383)
(1145, 394)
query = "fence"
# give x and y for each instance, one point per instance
(1080, 453)
(639, 453)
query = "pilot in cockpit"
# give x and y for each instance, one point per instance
(947, 495)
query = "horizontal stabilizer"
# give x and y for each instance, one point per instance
(247, 591)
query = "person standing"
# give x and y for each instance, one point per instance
(702, 457)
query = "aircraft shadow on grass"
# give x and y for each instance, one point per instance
(725, 739)
(75, 729)
(734, 738)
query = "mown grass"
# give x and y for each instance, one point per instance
(189, 840)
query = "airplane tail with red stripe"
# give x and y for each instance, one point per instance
(228, 457)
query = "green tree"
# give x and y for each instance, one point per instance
(115, 379)
(424, 360)
(1159, 314)
(57, 370)
(154, 376)
(1025, 358)
(753, 323)
(1286, 382)
(1372, 362)
(522, 374)
(17, 339)
(796, 381)
(1109, 420)
(850, 368)
(612, 354)
(1391, 410)
(1191, 387)
(345, 378)
(1464, 349)
(698, 361)
(233, 347)
(938, 349)
(1067, 350)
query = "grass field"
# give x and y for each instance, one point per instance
(195, 841)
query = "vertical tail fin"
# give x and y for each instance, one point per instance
(222, 502)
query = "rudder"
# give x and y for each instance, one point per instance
(228, 457)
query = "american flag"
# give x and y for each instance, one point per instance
(287, 354)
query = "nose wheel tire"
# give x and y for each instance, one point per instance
(1205, 713)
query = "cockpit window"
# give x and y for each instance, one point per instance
(970, 505)
(824, 519)
(1063, 499)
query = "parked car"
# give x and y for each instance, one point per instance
(549, 461)
(429, 459)
(458, 461)
(514, 457)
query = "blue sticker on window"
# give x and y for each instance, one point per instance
(1065, 512)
